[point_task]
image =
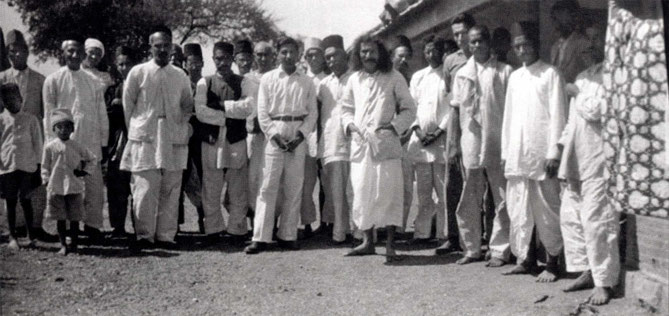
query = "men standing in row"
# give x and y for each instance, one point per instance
(479, 91)
(376, 108)
(427, 145)
(452, 63)
(287, 112)
(157, 103)
(30, 85)
(222, 104)
(333, 145)
(534, 117)
(72, 88)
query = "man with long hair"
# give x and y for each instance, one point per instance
(376, 108)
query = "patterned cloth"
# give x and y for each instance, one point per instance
(635, 79)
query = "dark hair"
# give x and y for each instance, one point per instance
(530, 30)
(385, 63)
(450, 46)
(501, 34)
(485, 33)
(570, 6)
(286, 40)
(438, 42)
(162, 28)
(7, 89)
(464, 18)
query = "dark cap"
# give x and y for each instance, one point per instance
(334, 40)
(225, 47)
(15, 37)
(243, 46)
(192, 49)
(401, 40)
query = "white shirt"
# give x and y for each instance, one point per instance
(333, 144)
(428, 89)
(534, 117)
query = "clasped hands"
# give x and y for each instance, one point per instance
(288, 146)
(429, 138)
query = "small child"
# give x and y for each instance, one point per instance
(63, 166)
(20, 151)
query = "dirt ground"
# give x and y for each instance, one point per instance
(316, 280)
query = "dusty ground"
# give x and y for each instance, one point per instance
(316, 280)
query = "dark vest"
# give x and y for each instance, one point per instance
(219, 90)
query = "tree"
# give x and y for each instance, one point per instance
(129, 22)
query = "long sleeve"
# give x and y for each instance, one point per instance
(266, 123)
(204, 113)
(186, 102)
(309, 122)
(557, 110)
(46, 165)
(407, 107)
(49, 100)
(36, 137)
(414, 91)
(103, 119)
(130, 95)
(244, 107)
(506, 122)
(347, 105)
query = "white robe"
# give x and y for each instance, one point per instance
(371, 101)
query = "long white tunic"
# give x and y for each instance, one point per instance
(312, 139)
(371, 101)
(333, 144)
(78, 91)
(428, 89)
(157, 102)
(534, 117)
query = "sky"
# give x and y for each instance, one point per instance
(316, 18)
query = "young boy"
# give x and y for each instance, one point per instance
(21, 146)
(63, 167)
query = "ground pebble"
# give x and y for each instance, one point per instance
(59, 279)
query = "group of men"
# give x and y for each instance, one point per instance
(473, 132)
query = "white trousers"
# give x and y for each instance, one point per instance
(335, 182)
(94, 199)
(469, 213)
(212, 189)
(534, 203)
(408, 177)
(429, 179)
(308, 208)
(155, 199)
(256, 151)
(590, 230)
(283, 170)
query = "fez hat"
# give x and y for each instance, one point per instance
(225, 47)
(311, 43)
(334, 40)
(193, 49)
(243, 46)
(15, 37)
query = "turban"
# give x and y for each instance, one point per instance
(192, 49)
(94, 43)
(335, 41)
(312, 43)
(15, 37)
(400, 41)
(243, 46)
(225, 47)
(60, 115)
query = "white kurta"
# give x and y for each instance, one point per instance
(333, 144)
(428, 89)
(534, 117)
(588, 221)
(371, 101)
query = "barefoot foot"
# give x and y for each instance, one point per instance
(13, 244)
(63, 251)
(466, 260)
(600, 295)
(495, 263)
(547, 276)
(584, 281)
(518, 269)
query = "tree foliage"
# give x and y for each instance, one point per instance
(129, 22)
